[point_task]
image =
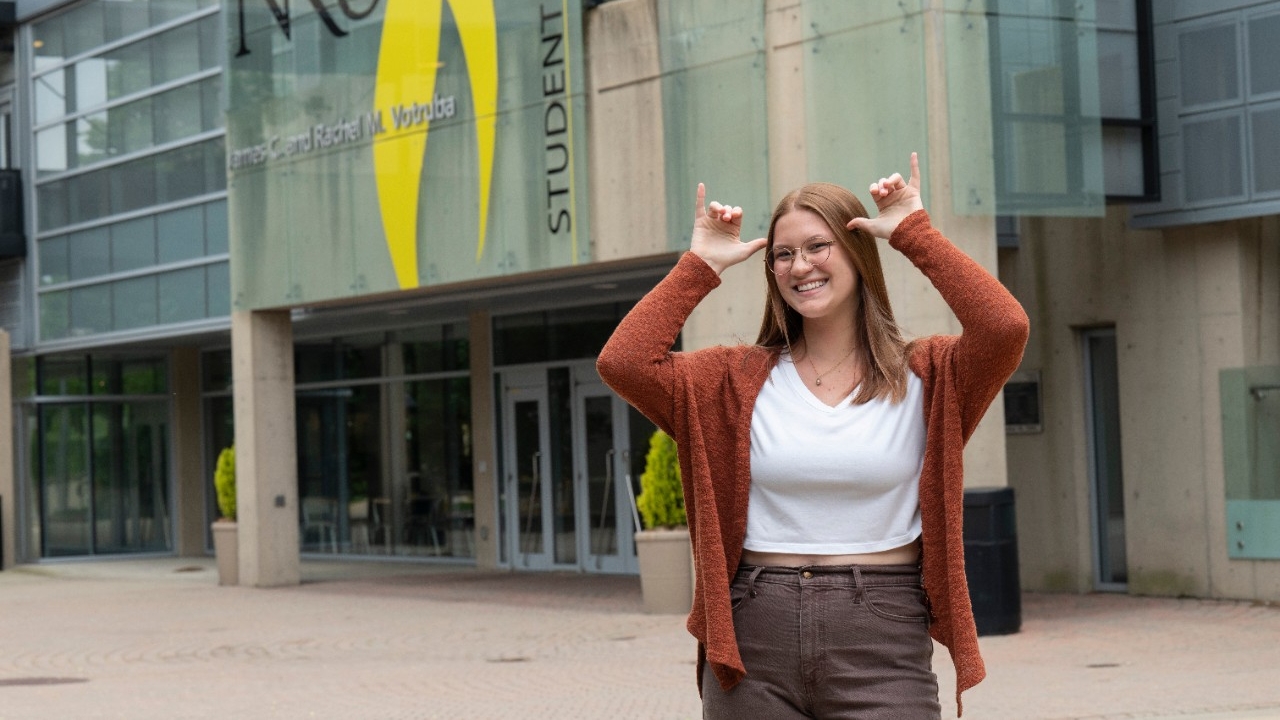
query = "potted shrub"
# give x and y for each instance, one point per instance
(662, 547)
(226, 545)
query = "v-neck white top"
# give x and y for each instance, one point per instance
(833, 480)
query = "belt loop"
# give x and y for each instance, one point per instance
(751, 579)
(859, 586)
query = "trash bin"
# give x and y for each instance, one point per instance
(991, 560)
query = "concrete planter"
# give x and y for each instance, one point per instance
(226, 549)
(666, 570)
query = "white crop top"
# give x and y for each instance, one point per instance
(833, 480)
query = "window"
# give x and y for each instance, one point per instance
(1045, 114)
(1126, 90)
(1224, 115)
(129, 163)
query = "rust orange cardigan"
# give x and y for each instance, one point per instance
(704, 400)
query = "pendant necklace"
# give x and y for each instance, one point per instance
(817, 380)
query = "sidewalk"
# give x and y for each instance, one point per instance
(157, 639)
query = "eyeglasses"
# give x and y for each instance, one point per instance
(815, 252)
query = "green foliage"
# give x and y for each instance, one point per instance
(224, 482)
(661, 501)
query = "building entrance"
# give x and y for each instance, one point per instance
(572, 456)
(1106, 469)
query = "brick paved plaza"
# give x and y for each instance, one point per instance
(158, 639)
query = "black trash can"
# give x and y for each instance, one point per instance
(991, 560)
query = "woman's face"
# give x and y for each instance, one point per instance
(825, 290)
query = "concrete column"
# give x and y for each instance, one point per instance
(624, 116)
(8, 479)
(731, 315)
(266, 447)
(984, 457)
(484, 446)
(785, 88)
(190, 482)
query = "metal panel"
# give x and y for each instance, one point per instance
(1253, 529)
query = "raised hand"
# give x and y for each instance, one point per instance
(895, 199)
(717, 234)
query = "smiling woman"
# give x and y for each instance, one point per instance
(834, 507)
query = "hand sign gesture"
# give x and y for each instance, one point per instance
(895, 199)
(716, 234)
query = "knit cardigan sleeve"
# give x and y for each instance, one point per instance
(995, 327)
(961, 376)
(702, 398)
(637, 361)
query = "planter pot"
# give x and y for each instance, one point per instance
(666, 570)
(226, 549)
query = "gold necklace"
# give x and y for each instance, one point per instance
(817, 380)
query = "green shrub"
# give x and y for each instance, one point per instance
(661, 501)
(224, 482)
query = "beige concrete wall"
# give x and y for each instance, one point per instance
(484, 445)
(266, 448)
(8, 473)
(189, 480)
(628, 190)
(1186, 303)
(624, 127)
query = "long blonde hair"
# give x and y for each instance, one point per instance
(883, 351)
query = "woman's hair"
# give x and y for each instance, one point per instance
(883, 350)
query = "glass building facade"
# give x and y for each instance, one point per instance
(384, 441)
(129, 179)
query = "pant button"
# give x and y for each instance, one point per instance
(806, 574)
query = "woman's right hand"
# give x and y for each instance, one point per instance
(717, 234)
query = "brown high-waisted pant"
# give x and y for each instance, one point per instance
(829, 642)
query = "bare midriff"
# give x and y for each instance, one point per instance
(908, 554)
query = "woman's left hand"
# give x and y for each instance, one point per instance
(895, 199)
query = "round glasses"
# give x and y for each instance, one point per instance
(815, 252)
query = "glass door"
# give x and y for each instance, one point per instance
(528, 470)
(611, 441)
(1102, 387)
(604, 518)
(570, 475)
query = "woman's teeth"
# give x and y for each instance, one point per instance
(805, 287)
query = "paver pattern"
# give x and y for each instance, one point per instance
(158, 639)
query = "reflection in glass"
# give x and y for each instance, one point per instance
(182, 295)
(90, 309)
(133, 244)
(562, 495)
(133, 303)
(130, 485)
(55, 315)
(175, 54)
(353, 501)
(101, 477)
(51, 150)
(177, 113)
(65, 492)
(90, 83)
(92, 141)
(129, 69)
(528, 455)
(53, 260)
(51, 96)
(438, 459)
(603, 517)
(180, 234)
(129, 127)
(90, 253)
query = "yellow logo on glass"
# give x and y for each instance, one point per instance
(407, 64)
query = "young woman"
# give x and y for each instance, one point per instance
(822, 466)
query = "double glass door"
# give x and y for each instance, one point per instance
(573, 453)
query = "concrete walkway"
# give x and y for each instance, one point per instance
(143, 639)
